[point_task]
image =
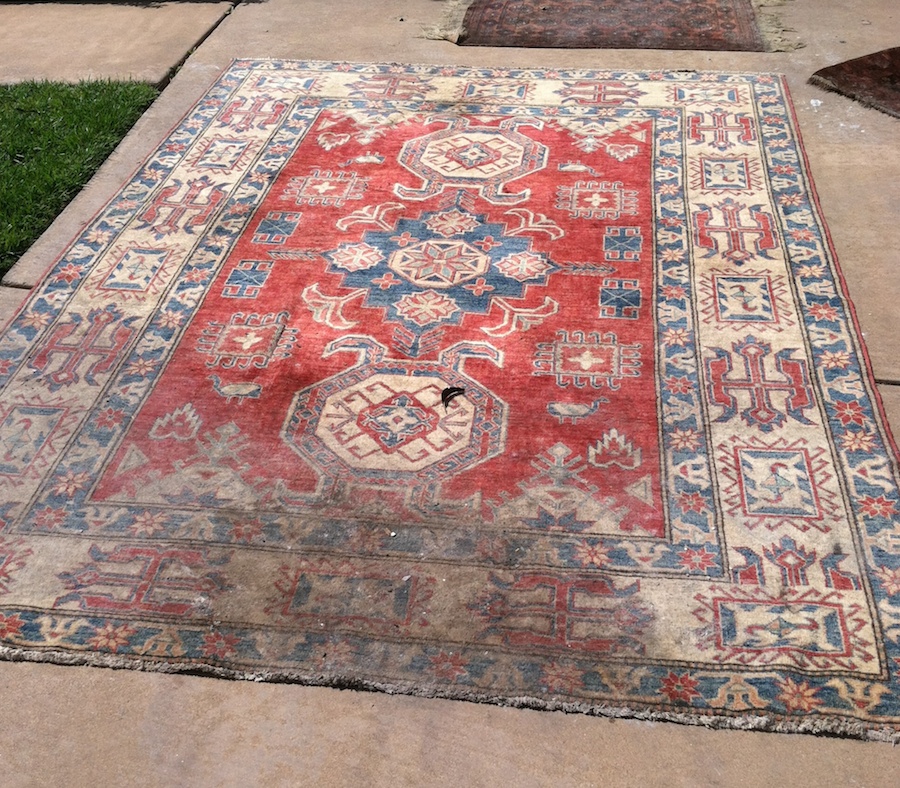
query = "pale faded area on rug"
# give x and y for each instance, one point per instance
(667, 490)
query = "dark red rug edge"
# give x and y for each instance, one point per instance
(832, 78)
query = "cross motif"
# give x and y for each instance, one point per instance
(615, 93)
(263, 110)
(758, 385)
(394, 86)
(90, 345)
(720, 129)
(141, 579)
(179, 207)
(580, 613)
(759, 234)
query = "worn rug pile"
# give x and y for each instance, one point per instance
(530, 387)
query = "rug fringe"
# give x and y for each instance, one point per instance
(765, 723)
(450, 27)
(771, 27)
(827, 84)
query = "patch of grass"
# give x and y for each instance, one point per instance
(53, 138)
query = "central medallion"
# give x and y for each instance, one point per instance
(433, 270)
(439, 263)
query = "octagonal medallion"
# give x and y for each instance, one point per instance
(469, 156)
(382, 421)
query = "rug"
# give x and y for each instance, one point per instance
(872, 80)
(606, 24)
(529, 387)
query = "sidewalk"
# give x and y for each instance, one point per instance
(81, 726)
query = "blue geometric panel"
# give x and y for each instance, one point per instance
(247, 279)
(620, 298)
(135, 269)
(622, 244)
(725, 173)
(23, 433)
(744, 299)
(717, 94)
(777, 483)
(277, 227)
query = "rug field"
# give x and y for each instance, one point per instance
(529, 387)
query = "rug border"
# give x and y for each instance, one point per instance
(833, 725)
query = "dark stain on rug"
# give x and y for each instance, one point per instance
(873, 80)
(613, 24)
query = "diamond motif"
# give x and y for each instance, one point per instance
(523, 265)
(397, 421)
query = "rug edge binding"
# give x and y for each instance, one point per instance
(762, 723)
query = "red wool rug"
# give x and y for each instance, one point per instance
(530, 387)
(613, 24)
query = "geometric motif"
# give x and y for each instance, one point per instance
(585, 615)
(182, 207)
(759, 233)
(733, 301)
(792, 560)
(720, 129)
(102, 337)
(757, 385)
(721, 174)
(485, 158)
(774, 484)
(221, 154)
(595, 359)
(622, 244)
(24, 431)
(325, 188)
(798, 628)
(620, 298)
(382, 420)
(247, 339)
(744, 299)
(319, 593)
(142, 579)
(420, 280)
(597, 200)
(777, 483)
(808, 628)
(260, 112)
(135, 269)
(247, 279)
(276, 227)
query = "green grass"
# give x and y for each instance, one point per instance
(53, 137)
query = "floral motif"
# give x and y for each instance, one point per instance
(426, 307)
